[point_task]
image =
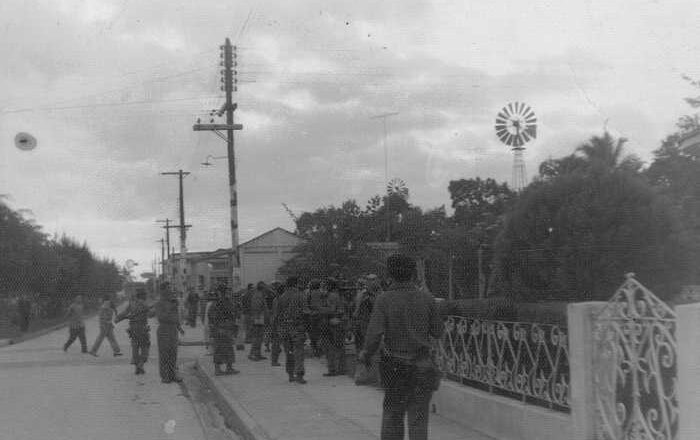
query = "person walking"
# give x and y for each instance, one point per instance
(406, 319)
(222, 332)
(332, 330)
(364, 302)
(138, 313)
(292, 328)
(258, 312)
(106, 314)
(168, 328)
(76, 326)
(315, 320)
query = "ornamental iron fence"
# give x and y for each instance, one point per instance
(522, 360)
(635, 369)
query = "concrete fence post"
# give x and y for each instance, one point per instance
(581, 317)
(688, 338)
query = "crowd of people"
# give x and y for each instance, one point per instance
(393, 319)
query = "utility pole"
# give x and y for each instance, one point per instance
(162, 257)
(229, 80)
(383, 117)
(182, 278)
(166, 269)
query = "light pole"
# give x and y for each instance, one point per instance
(383, 117)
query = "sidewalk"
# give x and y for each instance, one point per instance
(264, 405)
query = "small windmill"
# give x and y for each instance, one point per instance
(516, 125)
(397, 186)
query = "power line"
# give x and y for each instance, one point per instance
(106, 104)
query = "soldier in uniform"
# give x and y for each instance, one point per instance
(292, 329)
(138, 313)
(168, 328)
(332, 330)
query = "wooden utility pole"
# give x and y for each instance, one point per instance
(229, 80)
(182, 278)
(162, 257)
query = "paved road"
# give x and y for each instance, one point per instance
(48, 394)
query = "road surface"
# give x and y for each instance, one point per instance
(46, 393)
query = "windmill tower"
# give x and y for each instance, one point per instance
(516, 125)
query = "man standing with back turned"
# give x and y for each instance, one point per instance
(407, 318)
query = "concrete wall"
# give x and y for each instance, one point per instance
(499, 417)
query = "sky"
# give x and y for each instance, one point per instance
(110, 90)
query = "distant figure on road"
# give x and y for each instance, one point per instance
(275, 340)
(106, 314)
(168, 328)
(245, 311)
(258, 315)
(364, 302)
(314, 316)
(222, 331)
(139, 332)
(292, 328)
(24, 312)
(192, 306)
(332, 329)
(76, 326)
(406, 318)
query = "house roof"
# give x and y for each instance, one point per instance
(271, 231)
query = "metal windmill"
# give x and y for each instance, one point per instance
(397, 186)
(516, 125)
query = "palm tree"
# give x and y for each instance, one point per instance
(604, 153)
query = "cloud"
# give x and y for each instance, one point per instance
(111, 90)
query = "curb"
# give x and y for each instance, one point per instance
(234, 413)
(36, 334)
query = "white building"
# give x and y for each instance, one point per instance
(261, 258)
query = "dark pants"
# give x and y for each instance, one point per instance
(276, 346)
(247, 324)
(76, 332)
(315, 328)
(167, 351)
(192, 315)
(406, 392)
(333, 340)
(256, 338)
(223, 346)
(140, 347)
(294, 353)
(359, 335)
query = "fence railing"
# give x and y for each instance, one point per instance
(522, 360)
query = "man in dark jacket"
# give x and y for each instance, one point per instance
(406, 318)
(292, 327)
(168, 327)
(138, 313)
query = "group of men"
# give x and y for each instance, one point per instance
(137, 313)
(398, 323)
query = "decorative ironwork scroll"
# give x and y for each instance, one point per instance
(635, 369)
(524, 360)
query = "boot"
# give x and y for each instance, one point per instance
(217, 370)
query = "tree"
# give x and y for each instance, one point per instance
(574, 235)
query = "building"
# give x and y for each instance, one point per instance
(261, 258)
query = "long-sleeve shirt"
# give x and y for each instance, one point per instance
(258, 306)
(137, 313)
(106, 313)
(407, 318)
